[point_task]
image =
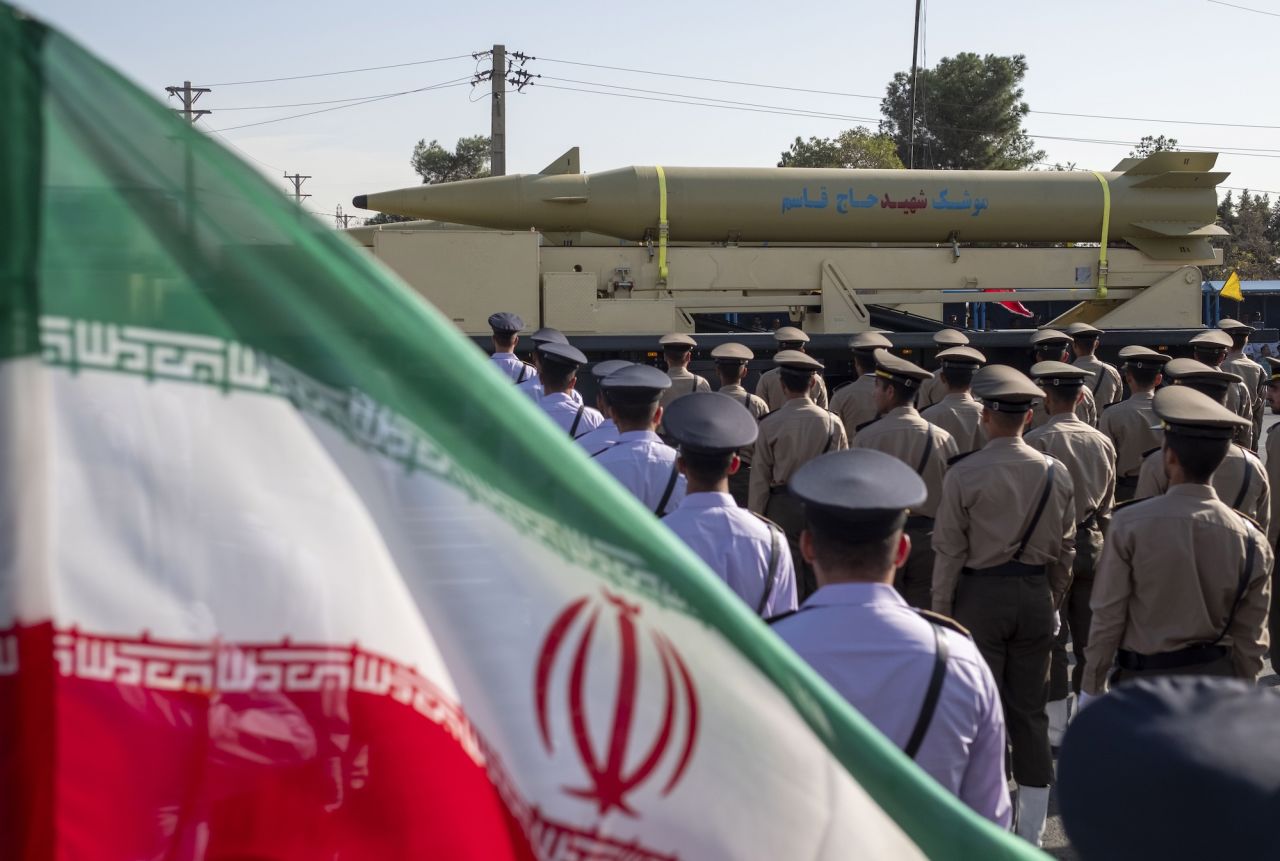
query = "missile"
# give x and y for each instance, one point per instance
(1164, 204)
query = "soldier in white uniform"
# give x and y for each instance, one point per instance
(746, 551)
(606, 435)
(1211, 347)
(1050, 345)
(769, 387)
(1247, 369)
(506, 327)
(640, 460)
(935, 389)
(533, 386)
(1104, 380)
(560, 363)
(677, 351)
(915, 675)
(958, 413)
(855, 401)
(731, 367)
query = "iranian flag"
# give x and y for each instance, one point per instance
(288, 571)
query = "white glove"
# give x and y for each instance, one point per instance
(1086, 698)
(1057, 622)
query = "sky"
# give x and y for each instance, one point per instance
(1184, 68)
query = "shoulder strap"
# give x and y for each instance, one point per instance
(1244, 485)
(524, 370)
(1035, 518)
(931, 694)
(867, 424)
(928, 450)
(952, 461)
(1249, 555)
(775, 547)
(1102, 372)
(778, 618)
(606, 448)
(831, 432)
(577, 417)
(661, 510)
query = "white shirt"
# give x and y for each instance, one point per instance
(642, 462)
(879, 654)
(513, 367)
(599, 439)
(736, 545)
(533, 388)
(564, 411)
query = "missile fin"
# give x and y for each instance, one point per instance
(1168, 160)
(1184, 179)
(1179, 228)
(570, 162)
(1192, 250)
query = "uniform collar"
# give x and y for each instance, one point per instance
(1233, 354)
(901, 412)
(796, 403)
(639, 436)
(1142, 396)
(958, 397)
(1006, 442)
(1063, 419)
(710, 499)
(679, 373)
(1087, 362)
(1194, 491)
(855, 594)
(732, 389)
(559, 397)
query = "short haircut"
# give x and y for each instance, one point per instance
(1143, 376)
(1198, 456)
(676, 350)
(835, 551)
(705, 467)
(902, 395)
(504, 339)
(1050, 352)
(1215, 389)
(1062, 394)
(795, 380)
(958, 376)
(557, 374)
(631, 412)
(864, 362)
(729, 372)
(1238, 341)
(1007, 421)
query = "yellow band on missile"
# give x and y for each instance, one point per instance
(663, 227)
(1106, 229)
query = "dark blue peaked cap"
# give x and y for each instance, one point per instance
(564, 353)
(709, 422)
(635, 384)
(600, 370)
(1174, 768)
(505, 322)
(862, 493)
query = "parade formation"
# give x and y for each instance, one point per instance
(970, 555)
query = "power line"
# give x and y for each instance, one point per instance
(457, 82)
(1246, 8)
(308, 104)
(231, 144)
(786, 112)
(342, 72)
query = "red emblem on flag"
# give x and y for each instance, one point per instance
(614, 775)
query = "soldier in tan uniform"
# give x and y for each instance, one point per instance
(1104, 380)
(1004, 539)
(1272, 387)
(926, 448)
(677, 350)
(935, 389)
(855, 401)
(1183, 585)
(958, 413)
(731, 367)
(1240, 481)
(1050, 345)
(1247, 369)
(1130, 424)
(790, 437)
(1211, 347)
(1090, 458)
(769, 387)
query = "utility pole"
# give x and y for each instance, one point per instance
(915, 56)
(297, 180)
(341, 220)
(498, 113)
(189, 96)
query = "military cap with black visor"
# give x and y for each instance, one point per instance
(547, 335)
(898, 370)
(732, 353)
(1005, 389)
(1136, 356)
(1185, 412)
(505, 323)
(563, 354)
(869, 342)
(860, 494)
(1273, 371)
(789, 335)
(636, 384)
(1057, 374)
(710, 423)
(961, 357)
(1213, 382)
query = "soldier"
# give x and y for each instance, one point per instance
(915, 675)
(935, 389)
(855, 401)
(606, 435)
(677, 350)
(506, 327)
(1272, 386)
(640, 460)
(731, 367)
(1130, 423)
(1104, 380)
(1183, 583)
(926, 448)
(559, 376)
(746, 551)
(770, 390)
(1211, 347)
(1241, 482)
(790, 437)
(958, 413)
(1050, 345)
(1090, 458)
(1004, 540)
(532, 386)
(1247, 369)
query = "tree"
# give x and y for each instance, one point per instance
(853, 148)
(969, 114)
(387, 218)
(1150, 144)
(1250, 250)
(469, 160)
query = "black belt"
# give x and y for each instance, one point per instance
(1127, 481)
(1187, 657)
(1008, 569)
(919, 521)
(777, 490)
(1088, 523)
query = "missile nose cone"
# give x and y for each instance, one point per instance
(359, 201)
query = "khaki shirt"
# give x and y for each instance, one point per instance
(683, 382)
(1240, 402)
(1167, 580)
(1273, 475)
(1089, 456)
(789, 438)
(855, 404)
(961, 416)
(1134, 431)
(754, 405)
(902, 433)
(932, 392)
(1252, 373)
(769, 389)
(1086, 411)
(987, 502)
(1104, 380)
(1228, 480)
